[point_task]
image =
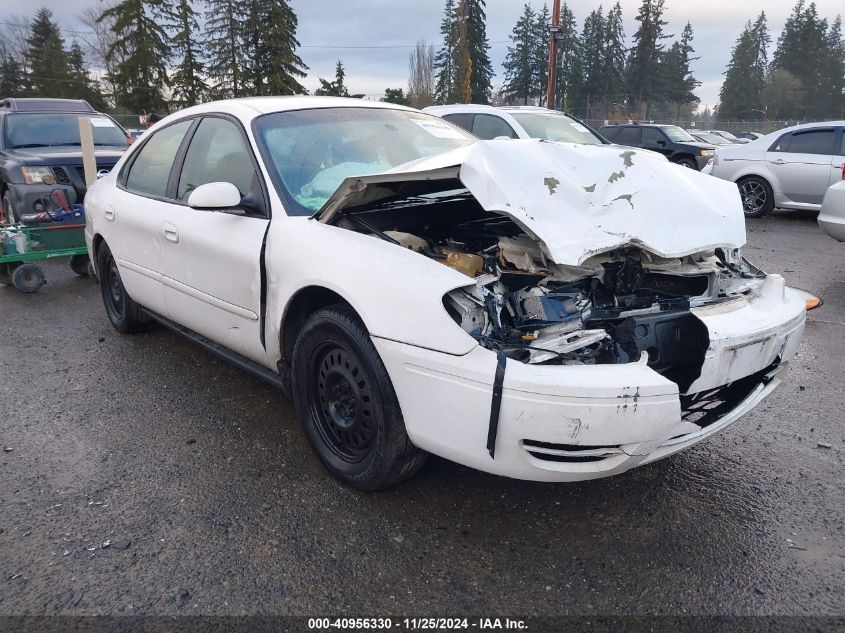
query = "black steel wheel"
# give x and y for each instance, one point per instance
(346, 403)
(757, 196)
(125, 315)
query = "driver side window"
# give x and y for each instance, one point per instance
(218, 153)
(651, 136)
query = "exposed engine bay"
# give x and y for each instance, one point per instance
(611, 308)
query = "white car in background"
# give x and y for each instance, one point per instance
(791, 168)
(489, 122)
(832, 216)
(544, 311)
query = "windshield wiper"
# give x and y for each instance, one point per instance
(26, 145)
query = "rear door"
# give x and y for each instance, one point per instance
(213, 265)
(135, 212)
(631, 136)
(800, 163)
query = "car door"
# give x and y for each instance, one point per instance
(138, 207)
(655, 140)
(213, 269)
(800, 163)
(631, 136)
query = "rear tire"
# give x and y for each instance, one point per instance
(757, 196)
(346, 403)
(125, 315)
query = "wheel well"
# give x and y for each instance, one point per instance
(301, 306)
(98, 239)
(681, 156)
(757, 176)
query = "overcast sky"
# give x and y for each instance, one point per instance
(326, 26)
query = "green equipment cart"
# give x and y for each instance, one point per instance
(22, 246)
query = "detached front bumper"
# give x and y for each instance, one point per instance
(575, 422)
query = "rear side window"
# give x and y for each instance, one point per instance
(487, 127)
(629, 136)
(150, 171)
(806, 142)
(460, 119)
(217, 153)
(610, 133)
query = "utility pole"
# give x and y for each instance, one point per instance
(554, 30)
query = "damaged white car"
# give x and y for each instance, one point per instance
(544, 311)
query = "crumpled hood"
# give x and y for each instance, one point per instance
(579, 200)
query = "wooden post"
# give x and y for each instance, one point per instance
(550, 88)
(86, 140)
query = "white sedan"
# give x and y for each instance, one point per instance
(537, 310)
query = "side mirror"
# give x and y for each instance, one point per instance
(220, 196)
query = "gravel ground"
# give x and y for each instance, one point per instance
(141, 475)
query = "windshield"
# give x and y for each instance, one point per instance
(678, 134)
(49, 130)
(727, 135)
(713, 139)
(311, 152)
(552, 126)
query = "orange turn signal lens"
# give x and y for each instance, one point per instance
(811, 303)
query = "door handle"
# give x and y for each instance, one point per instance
(170, 232)
(109, 214)
(779, 161)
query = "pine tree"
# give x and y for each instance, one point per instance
(541, 50)
(225, 47)
(83, 86)
(589, 77)
(481, 72)
(742, 94)
(463, 55)
(395, 95)
(189, 87)
(568, 50)
(48, 61)
(141, 42)
(336, 88)
(613, 90)
(644, 72)
(680, 84)
(272, 62)
(12, 77)
(444, 87)
(520, 67)
(833, 73)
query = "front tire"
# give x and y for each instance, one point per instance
(125, 315)
(757, 196)
(347, 405)
(689, 163)
(7, 213)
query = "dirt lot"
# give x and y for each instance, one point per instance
(141, 475)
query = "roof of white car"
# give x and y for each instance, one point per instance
(475, 108)
(265, 105)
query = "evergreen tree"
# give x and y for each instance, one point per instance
(395, 95)
(590, 72)
(541, 50)
(800, 51)
(225, 46)
(142, 44)
(613, 90)
(273, 63)
(12, 77)
(48, 61)
(336, 88)
(833, 73)
(444, 69)
(520, 62)
(481, 72)
(680, 84)
(463, 55)
(83, 86)
(187, 82)
(644, 72)
(741, 95)
(568, 50)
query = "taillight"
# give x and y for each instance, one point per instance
(843, 171)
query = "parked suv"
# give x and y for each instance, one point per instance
(670, 140)
(40, 151)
